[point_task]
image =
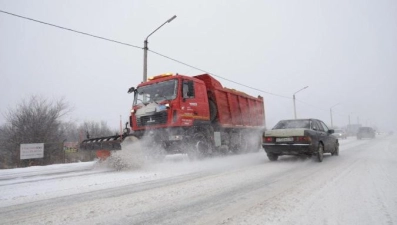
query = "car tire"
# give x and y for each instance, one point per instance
(320, 152)
(272, 157)
(336, 150)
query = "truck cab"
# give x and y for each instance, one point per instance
(169, 101)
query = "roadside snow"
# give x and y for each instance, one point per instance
(357, 187)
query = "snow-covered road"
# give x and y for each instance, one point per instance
(357, 187)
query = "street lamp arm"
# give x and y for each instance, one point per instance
(168, 21)
(301, 89)
(335, 105)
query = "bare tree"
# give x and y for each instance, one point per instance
(35, 120)
(76, 133)
(71, 131)
(5, 147)
(96, 129)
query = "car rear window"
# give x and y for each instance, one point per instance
(286, 124)
(365, 129)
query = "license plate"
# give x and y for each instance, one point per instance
(284, 139)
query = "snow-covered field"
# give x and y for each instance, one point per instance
(357, 187)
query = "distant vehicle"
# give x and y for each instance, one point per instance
(305, 137)
(365, 132)
(340, 134)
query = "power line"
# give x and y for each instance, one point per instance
(68, 29)
(311, 105)
(130, 45)
(194, 67)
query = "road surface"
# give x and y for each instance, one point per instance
(357, 187)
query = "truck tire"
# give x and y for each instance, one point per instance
(239, 143)
(213, 110)
(320, 152)
(198, 147)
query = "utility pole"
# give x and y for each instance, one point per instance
(293, 98)
(330, 112)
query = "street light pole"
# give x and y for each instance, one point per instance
(330, 112)
(145, 48)
(293, 97)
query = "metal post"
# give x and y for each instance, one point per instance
(145, 48)
(64, 153)
(330, 112)
(63, 149)
(294, 106)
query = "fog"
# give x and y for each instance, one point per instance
(345, 51)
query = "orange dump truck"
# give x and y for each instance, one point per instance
(194, 115)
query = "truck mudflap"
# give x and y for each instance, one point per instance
(103, 143)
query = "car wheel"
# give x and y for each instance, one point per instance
(272, 157)
(320, 152)
(336, 150)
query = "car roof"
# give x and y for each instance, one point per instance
(299, 119)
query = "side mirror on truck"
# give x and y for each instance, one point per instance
(130, 90)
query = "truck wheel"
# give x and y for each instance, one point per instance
(198, 147)
(336, 150)
(213, 110)
(242, 143)
(272, 157)
(320, 152)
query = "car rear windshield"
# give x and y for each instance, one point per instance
(365, 129)
(286, 124)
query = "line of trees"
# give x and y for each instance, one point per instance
(38, 120)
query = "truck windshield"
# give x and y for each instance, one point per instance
(165, 90)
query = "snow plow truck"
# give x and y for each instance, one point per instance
(193, 115)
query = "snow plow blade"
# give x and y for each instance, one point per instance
(103, 143)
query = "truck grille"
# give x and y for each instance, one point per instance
(155, 119)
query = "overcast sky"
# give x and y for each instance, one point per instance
(344, 50)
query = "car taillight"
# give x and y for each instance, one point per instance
(303, 139)
(268, 139)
